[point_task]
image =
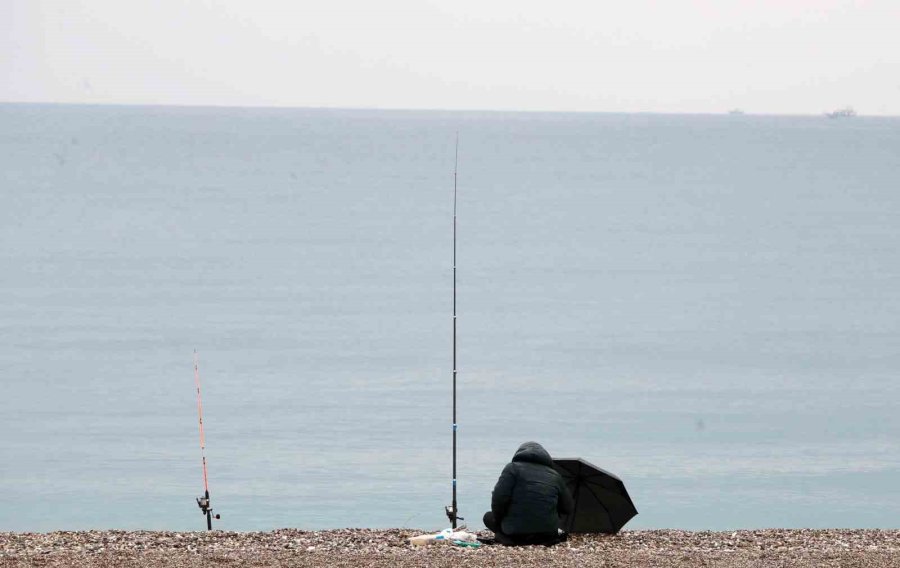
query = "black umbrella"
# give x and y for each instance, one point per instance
(601, 502)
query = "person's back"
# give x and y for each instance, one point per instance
(529, 497)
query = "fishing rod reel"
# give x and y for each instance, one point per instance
(451, 514)
(204, 504)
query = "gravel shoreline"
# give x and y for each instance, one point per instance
(390, 548)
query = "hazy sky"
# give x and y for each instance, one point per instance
(769, 56)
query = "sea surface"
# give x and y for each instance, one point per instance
(707, 306)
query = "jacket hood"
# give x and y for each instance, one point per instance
(534, 453)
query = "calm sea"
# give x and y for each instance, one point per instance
(707, 306)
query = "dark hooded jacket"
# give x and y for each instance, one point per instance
(530, 495)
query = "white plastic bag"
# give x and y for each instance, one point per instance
(445, 536)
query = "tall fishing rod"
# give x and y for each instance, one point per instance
(202, 502)
(451, 510)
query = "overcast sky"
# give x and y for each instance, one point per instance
(766, 56)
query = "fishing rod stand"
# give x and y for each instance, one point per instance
(203, 503)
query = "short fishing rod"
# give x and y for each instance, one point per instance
(452, 511)
(202, 502)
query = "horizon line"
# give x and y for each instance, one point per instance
(726, 112)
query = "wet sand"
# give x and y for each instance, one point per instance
(389, 548)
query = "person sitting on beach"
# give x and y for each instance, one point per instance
(528, 499)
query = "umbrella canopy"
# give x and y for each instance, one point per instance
(601, 502)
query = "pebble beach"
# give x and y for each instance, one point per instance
(390, 548)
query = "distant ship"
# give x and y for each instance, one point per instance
(846, 112)
(735, 111)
